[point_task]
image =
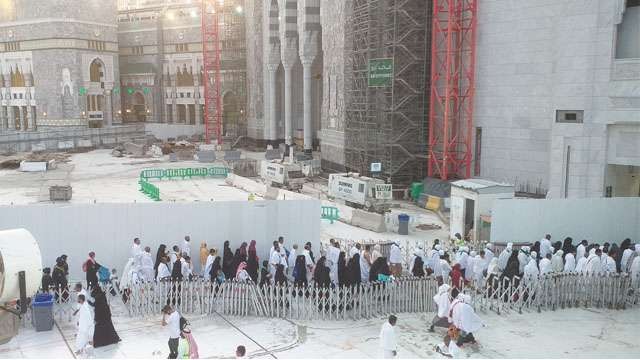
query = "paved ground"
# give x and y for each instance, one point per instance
(574, 333)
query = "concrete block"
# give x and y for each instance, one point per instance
(64, 145)
(207, 156)
(33, 166)
(367, 220)
(38, 147)
(207, 147)
(85, 143)
(185, 154)
(134, 149)
(173, 157)
(273, 154)
(231, 155)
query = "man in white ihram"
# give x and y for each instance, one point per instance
(146, 264)
(85, 325)
(388, 341)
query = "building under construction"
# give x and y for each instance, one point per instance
(388, 76)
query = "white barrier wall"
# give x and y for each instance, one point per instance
(109, 229)
(594, 219)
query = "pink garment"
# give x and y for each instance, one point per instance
(193, 347)
(242, 266)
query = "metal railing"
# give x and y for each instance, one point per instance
(284, 301)
(147, 188)
(184, 173)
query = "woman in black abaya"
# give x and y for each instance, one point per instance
(162, 250)
(227, 262)
(342, 269)
(252, 262)
(104, 333)
(353, 271)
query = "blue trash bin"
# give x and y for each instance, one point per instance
(403, 224)
(42, 312)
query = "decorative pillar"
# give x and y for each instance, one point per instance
(308, 125)
(108, 107)
(20, 117)
(3, 118)
(174, 95)
(273, 114)
(288, 121)
(187, 114)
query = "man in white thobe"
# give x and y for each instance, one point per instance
(593, 264)
(463, 258)
(581, 250)
(488, 252)
(557, 264)
(333, 253)
(186, 246)
(147, 265)
(570, 262)
(395, 259)
(545, 246)
(531, 271)
(608, 264)
(355, 249)
(388, 341)
(523, 258)
(85, 324)
(545, 265)
(503, 258)
(634, 268)
(274, 261)
(135, 248)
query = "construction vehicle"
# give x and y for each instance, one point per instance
(361, 192)
(281, 174)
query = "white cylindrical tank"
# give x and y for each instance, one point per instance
(19, 251)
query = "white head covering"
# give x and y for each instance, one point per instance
(637, 248)
(534, 254)
(473, 253)
(592, 251)
(493, 266)
(441, 252)
(437, 247)
(488, 246)
(442, 299)
(509, 245)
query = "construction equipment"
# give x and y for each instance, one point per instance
(361, 192)
(281, 174)
(211, 76)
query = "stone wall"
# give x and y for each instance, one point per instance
(255, 69)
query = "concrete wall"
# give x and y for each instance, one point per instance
(109, 229)
(596, 219)
(164, 131)
(534, 58)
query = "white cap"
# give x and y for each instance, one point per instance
(441, 252)
(534, 254)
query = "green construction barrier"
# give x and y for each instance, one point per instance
(184, 173)
(330, 213)
(147, 188)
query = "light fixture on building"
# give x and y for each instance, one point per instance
(128, 111)
(170, 15)
(44, 113)
(239, 9)
(84, 114)
(119, 112)
(193, 14)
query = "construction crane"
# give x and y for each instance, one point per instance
(453, 51)
(210, 14)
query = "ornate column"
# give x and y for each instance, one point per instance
(20, 117)
(174, 99)
(289, 58)
(3, 109)
(108, 108)
(273, 114)
(308, 124)
(187, 115)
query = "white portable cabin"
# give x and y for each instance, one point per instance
(366, 192)
(471, 203)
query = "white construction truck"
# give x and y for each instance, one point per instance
(361, 192)
(281, 174)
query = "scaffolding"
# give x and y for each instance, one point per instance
(224, 69)
(452, 88)
(387, 123)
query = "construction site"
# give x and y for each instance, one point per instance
(462, 123)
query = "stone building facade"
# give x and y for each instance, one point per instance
(58, 65)
(557, 108)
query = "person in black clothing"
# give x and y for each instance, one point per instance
(60, 281)
(252, 262)
(280, 278)
(615, 250)
(47, 280)
(321, 274)
(379, 266)
(215, 266)
(265, 277)
(343, 279)
(162, 251)
(176, 271)
(418, 267)
(91, 267)
(65, 265)
(300, 272)
(227, 262)
(557, 246)
(353, 270)
(567, 245)
(104, 332)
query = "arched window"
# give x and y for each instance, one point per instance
(95, 71)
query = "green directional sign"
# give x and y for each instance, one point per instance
(146, 90)
(130, 91)
(380, 72)
(82, 91)
(116, 90)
